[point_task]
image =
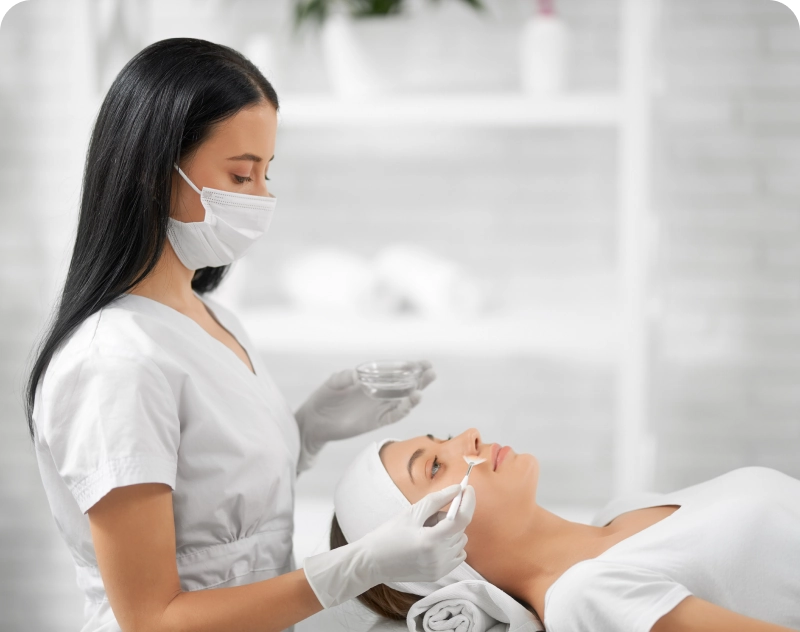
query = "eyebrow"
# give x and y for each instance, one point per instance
(417, 453)
(252, 157)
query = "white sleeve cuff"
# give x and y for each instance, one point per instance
(664, 605)
(119, 472)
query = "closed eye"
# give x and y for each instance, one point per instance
(436, 466)
(432, 438)
(243, 179)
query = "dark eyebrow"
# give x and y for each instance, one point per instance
(418, 453)
(252, 157)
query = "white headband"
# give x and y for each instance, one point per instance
(366, 497)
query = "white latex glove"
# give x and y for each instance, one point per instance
(401, 549)
(340, 409)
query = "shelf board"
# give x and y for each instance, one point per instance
(455, 109)
(580, 335)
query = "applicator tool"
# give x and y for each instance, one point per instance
(451, 513)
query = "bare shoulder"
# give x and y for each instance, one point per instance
(697, 615)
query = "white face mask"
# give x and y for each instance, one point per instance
(233, 222)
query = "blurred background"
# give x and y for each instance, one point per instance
(586, 215)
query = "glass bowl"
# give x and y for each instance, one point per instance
(389, 379)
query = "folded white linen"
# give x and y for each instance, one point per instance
(459, 615)
(388, 625)
(471, 606)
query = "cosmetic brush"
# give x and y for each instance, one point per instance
(451, 513)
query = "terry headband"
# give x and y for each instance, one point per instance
(366, 497)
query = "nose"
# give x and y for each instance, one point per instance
(472, 442)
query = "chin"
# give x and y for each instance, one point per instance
(527, 459)
(531, 467)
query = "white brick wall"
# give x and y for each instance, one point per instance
(782, 38)
(727, 150)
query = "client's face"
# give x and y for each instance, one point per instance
(505, 484)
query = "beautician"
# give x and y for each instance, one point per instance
(167, 453)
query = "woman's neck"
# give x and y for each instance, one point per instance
(170, 282)
(527, 561)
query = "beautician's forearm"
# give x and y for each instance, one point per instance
(270, 605)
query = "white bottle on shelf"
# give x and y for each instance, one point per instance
(543, 52)
(351, 72)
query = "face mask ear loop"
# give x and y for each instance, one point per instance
(191, 184)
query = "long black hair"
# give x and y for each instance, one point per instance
(161, 106)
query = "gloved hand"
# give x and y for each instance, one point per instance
(401, 549)
(340, 409)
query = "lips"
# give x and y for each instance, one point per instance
(502, 453)
(495, 452)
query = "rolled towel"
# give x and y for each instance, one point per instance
(459, 615)
(471, 606)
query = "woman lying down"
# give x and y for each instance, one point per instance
(720, 555)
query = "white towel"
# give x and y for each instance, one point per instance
(459, 615)
(471, 606)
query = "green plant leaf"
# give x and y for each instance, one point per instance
(475, 4)
(362, 8)
(310, 11)
(318, 10)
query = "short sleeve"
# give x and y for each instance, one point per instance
(599, 596)
(109, 420)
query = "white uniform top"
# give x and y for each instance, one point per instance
(735, 541)
(141, 393)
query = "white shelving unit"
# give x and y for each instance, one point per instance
(593, 337)
(586, 337)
